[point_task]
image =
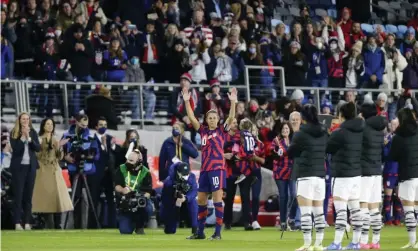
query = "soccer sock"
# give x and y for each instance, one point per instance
(410, 223)
(219, 214)
(376, 224)
(340, 221)
(356, 220)
(306, 224)
(366, 225)
(319, 225)
(202, 214)
(387, 205)
(397, 207)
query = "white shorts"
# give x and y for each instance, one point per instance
(408, 190)
(311, 188)
(371, 189)
(346, 188)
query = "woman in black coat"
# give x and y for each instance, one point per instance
(404, 151)
(23, 165)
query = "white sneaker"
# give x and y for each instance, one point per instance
(240, 178)
(256, 225)
(28, 227)
(18, 227)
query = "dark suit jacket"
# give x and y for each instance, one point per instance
(18, 148)
(107, 158)
(101, 106)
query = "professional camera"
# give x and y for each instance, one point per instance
(181, 188)
(132, 202)
(81, 149)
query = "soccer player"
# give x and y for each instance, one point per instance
(345, 145)
(212, 173)
(308, 151)
(246, 149)
(390, 180)
(371, 179)
(404, 151)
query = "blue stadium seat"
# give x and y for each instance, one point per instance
(367, 28)
(390, 28)
(275, 22)
(332, 13)
(383, 27)
(402, 29)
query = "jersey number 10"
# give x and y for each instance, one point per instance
(249, 144)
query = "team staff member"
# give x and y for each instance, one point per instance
(308, 150)
(404, 151)
(371, 179)
(133, 176)
(345, 146)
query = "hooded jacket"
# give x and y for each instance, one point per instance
(167, 195)
(345, 146)
(404, 150)
(308, 151)
(371, 154)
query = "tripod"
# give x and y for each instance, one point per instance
(81, 176)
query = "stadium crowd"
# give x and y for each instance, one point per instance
(192, 43)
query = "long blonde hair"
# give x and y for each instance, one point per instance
(16, 131)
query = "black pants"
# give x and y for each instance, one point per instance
(23, 181)
(231, 189)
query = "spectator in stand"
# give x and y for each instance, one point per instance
(6, 59)
(131, 39)
(354, 66)
(151, 51)
(175, 148)
(198, 22)
(176, 61)
(13, 12)
(24, 49)
(374, 64)
(408, 42)
(101, 105)
(233, 52)
(92, 11)
(241, 9)
(49, 15)
(318, 69)
(304, 17)
(178, 109)
(346, 23)
(115, 61)
(216, 26)
(413, 22)
(395, 63)
(218, 7)
(214, 101)
(253, 56)
(296, 66)
(65, 17)
(380, 35)
(355, 35)
(280, 39)
(199, 57)
(170, 36)
(7, 27)
(381, 102)
(410, 73)
(100, 43)
(220, 66)
(234, 33)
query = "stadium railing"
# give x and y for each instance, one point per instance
(133, 101)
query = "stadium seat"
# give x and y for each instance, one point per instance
(390, 28)
(332, 13)
(401, 30)
(383, 27)
(321, 12)
(367, 28)
(294, 11)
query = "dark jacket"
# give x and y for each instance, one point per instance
(168, 152)
(404, 150)
(18, 147)
(167, 196)
(308, 150)
(371, 155)
(106, 160)
(345, 145)
(101, 106)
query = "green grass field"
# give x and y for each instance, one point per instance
(237, 239)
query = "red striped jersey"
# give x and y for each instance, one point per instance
(259, 151)
(246, 152)
(213, 142)
(282, 166)
(230, 141)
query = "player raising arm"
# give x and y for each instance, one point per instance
(212, 173)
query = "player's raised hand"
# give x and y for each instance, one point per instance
(186, 94)
(233, 95)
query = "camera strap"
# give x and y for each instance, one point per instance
(129, 181)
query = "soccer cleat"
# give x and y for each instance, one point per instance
(364, 246)
(334, 246)
(248, 228)
(352, 246)
(256, 225)
(240, 178)
(18, 227)
(196, 236)
(303, 248)
(215, 238)
(375, 246)
(408, 246)
(28, 227)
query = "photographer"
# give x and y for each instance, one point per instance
(80, 152)
(133, 185)
(178, 195)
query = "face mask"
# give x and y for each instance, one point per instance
(175, 132)
(130, 166)
(81, 130)
(132, 140)
(319, 46)
(252, 50)
(58, 33)
(372, 47)
(102, 130)
(333, 46)
(135, 61)
(253, 108)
